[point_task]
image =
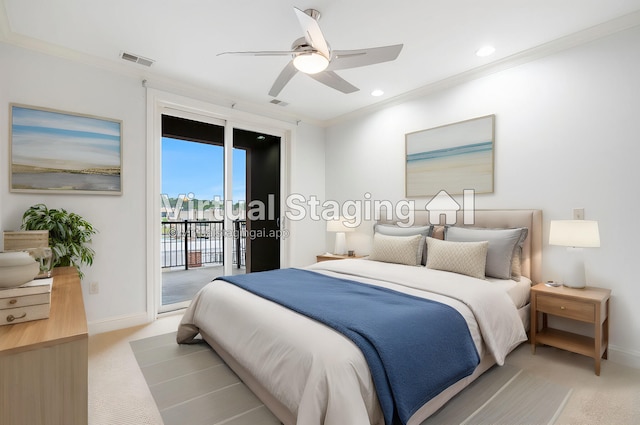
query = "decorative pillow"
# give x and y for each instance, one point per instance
(467, 258)
(395, 230)
(438, 232)
(516, 265)
(503, 245)
(397, 249)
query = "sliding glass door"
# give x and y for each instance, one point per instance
(220, 204)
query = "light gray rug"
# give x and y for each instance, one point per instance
(192, 385)
(504, 395)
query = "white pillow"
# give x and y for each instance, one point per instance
(397, 249)
(468, 258)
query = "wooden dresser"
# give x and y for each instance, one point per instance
(44, 363)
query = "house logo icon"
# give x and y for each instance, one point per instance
(443, 204)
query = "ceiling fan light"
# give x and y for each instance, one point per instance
(310, 62)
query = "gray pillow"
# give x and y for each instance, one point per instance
(395, 230)
(503, 245)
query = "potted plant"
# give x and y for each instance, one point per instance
(69, 235)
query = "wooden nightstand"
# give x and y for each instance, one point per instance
(327, 257)
(588, 304)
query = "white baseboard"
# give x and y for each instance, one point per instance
(626, 357)
(120, 322)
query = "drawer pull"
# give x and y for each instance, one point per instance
(563, 307)
(11, 317)
(13, 301)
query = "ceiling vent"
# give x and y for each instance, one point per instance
(278, 102)
(136, 59)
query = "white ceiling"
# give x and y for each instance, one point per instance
(184, 36)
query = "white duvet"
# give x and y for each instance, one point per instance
(317, 373)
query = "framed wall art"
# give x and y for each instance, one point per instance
(53, 151)
(453, 157)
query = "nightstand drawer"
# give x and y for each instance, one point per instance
(576, 310)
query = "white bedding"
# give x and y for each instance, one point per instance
(518, 291)
(319, 375)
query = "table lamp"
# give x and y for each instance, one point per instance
(338, 226)
(575, 234)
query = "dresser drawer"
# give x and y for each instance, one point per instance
(12, 316)
(26, 300)
(585, 312)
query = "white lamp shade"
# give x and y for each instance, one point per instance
(339, 225)
(575, 233)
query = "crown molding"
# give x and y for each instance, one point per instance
(226, 99)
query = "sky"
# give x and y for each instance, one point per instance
(198, 168)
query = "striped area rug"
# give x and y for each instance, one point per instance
(504, 395)
(192, 385)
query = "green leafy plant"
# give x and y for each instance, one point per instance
(69, 235)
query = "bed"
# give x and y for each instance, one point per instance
(308, 373)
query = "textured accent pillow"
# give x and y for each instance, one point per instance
(397, 249)
(503, 245)
(438, 232)
(468, 258)
(395, 230)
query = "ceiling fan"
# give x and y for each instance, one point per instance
(311, 55)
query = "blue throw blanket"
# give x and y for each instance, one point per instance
(415, 348)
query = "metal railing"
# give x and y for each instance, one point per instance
(194, 243)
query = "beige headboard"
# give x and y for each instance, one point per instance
(531, 219)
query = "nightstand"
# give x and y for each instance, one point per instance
(327, 257)
(588, 304)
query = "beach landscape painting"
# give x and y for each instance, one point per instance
(61, 152)
(453, 157)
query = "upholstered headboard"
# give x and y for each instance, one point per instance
(531, 219)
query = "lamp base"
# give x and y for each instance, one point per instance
(340, 247)
(575, 277)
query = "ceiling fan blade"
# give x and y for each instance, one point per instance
(312, 32)
(333, 80)
(285, 76)
(259, 53)
(345, 59)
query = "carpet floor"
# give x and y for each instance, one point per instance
(191, 384)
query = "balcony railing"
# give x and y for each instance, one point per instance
(195, 243)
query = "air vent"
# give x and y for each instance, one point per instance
(278, 102)
(136, 59)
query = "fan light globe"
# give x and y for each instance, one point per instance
(310, 62)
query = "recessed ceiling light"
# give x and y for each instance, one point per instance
(485, 51)
(377, 92)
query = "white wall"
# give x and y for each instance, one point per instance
(308, 167)
(41, 80)
(45, 81)
(567, 131)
